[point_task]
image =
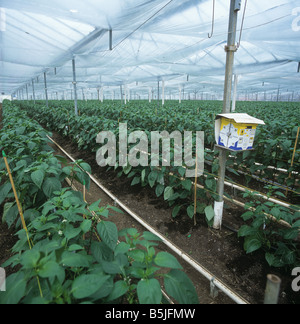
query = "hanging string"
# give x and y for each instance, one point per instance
(242, 26)
(213, 20)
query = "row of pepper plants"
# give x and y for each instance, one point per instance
(169, 182)
(274, 142)
(69, 252)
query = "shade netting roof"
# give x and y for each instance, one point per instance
(157, 40)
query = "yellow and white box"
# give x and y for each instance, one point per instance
(236, 132)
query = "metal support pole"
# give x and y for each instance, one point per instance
(121, 90)
(46, 90)
(158, 94)
(110, 40)
(180, 94)
(75, 86)
(27, 96)
(163, 93)
(230, 49)
(236, 78)
(33, 92)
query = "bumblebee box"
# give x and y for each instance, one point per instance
(236, 132)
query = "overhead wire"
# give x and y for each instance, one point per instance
(135, 30)
(242, 26)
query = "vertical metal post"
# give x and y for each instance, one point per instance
(230, 49)
(163, 93)
(46, 90)
(158, 94)
(180, 94)
(278, 93)
(75, 86)
(27, 96)
(121, 90)
(236, 78)
(33, 91)
(110, 40)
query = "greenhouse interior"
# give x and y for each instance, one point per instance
(138, 43)
(89, 218)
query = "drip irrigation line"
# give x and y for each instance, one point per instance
(237, 203)
(271, 167)
(257, 193)
(257, 178)
(197, 266)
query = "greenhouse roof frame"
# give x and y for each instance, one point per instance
(158, 40)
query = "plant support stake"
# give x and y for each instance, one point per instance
(21, 213)
(16, 197)
(230, 49)
(293, 158)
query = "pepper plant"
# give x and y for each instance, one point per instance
(280, 243)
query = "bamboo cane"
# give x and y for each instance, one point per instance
(16, 196)
(20, 212)
(84, 216)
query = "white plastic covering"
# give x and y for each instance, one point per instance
(157, 40)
